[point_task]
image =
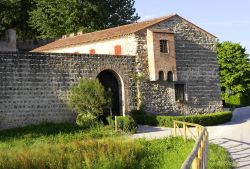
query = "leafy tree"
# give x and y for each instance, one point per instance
(15, 14)
(53, 18)
(89, 97)
(120, 12)
(234, 69)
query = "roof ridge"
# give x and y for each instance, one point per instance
(102, 34)
(109, 33)
(126, 25)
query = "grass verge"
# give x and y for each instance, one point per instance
(52, 146)
(219, 158)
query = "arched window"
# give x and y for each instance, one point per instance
(170, 76)
(161, 75)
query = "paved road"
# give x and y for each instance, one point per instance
(234, 136)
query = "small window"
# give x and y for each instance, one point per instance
(118, 50)
(179, 92)
(161, 75)
(92, 51)
(164, 46)
(170, 76)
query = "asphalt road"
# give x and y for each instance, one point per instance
(234, 136)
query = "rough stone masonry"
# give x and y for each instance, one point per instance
(34, 87)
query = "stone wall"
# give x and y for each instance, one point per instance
(30, 44)
(197, 68)
(34, 86)
(8, 41)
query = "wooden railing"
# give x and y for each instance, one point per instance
(198, 157)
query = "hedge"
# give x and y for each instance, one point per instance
(167, 121)
(238, 100)
(124, 123)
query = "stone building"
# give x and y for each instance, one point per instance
(8, 41)
(165, 66)
(176, 68)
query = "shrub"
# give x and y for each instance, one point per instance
(89, 100)
(86, 120)
(124, 123)
(167, 121)
(88, 96)
(238, 100)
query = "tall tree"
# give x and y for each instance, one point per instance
(15, 14)
(120, 12)
(54, 18)
(234, 68)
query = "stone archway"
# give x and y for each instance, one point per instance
(111, 80)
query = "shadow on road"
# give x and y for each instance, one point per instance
(239, 151)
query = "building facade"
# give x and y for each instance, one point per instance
(176, 70)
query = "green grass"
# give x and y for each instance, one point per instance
(52, 146)
(69, 146)
(219, 158)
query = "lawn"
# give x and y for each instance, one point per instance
(219, 158)
(69, 146)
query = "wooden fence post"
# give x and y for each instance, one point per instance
(195, 164)
(198, 132)
(174, 129)
(115, 123)
(185, 132)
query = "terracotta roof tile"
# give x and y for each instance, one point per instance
(102, 34)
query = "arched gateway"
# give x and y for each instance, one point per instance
(113, 82)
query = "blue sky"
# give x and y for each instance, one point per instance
(229, 20)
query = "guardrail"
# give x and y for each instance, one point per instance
(198, 157)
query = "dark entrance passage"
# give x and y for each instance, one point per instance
(110, 82)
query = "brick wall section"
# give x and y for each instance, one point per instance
(155, 97)
(160, 61)
(34, 86)
(197, 67)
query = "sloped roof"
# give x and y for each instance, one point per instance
(103, 34)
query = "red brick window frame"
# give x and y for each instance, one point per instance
(118, 50)
(92, 51)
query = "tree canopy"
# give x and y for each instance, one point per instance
(54, 18)
(15, 14)
(234, 68)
